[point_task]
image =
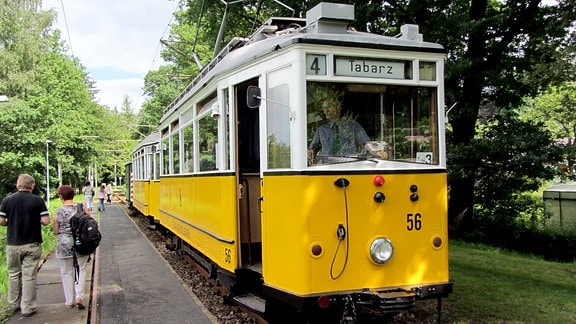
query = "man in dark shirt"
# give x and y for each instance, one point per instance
(24, 213)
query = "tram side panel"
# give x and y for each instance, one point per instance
(154, 201)
(129, 183)
(201, 210)
(141, 196)
(297, 224)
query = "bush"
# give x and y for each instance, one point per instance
(528, 231)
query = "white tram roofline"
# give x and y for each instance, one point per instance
(322, 28)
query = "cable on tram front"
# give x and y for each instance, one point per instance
(341, 231)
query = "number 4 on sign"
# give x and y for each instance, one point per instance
(315, 64)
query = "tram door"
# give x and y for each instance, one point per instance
(248, 175)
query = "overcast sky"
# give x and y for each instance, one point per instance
(118, 41)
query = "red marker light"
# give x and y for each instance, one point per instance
(323, 302)
(316, 250)
(378, 180)
(437, 242)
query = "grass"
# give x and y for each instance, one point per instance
(496, 286)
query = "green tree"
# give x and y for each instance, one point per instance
(51, 99)
(41, 84)
(18, 144)
(513, 156)
(23, 31)
(498, 52)
(62, 94)
(555, 108)
(162, 86)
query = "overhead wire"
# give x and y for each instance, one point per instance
(158, 48)
(67, 29)
(163, 33)
(198, 26)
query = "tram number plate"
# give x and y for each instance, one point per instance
(414, 222)
(315, 64)
(227, 255)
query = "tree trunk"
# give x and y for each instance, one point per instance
(464, 120)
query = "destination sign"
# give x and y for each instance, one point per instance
(358, 67)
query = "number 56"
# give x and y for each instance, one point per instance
(414, 222)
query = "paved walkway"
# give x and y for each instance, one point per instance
(50, 297)
(132, 283)
(136, 284)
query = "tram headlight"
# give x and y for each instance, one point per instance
(381, 250)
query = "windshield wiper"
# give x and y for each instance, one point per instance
(336, 159)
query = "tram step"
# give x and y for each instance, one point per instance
(252, 302)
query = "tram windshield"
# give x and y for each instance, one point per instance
(347, 122)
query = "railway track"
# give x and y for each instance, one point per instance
(222, 291)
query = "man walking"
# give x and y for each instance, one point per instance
(24, 213)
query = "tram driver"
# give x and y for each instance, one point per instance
(338, 137)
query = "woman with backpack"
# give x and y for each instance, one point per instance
(73, 289)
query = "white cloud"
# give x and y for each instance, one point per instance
(111, 90)
(116, 40)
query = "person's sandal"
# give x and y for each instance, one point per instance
(29, 314)
(80, 303)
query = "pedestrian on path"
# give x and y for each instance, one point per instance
(73, 289)
(88, 192)
(101, 197)
(109, 192)
(24, 213)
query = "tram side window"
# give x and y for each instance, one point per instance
(208, 136)
(140, 166)
(148, 163)
(157, 164)
(225, 121)
(176, 153)
(278, 127)
(165, 156)
(188, 154)
(373, 121)
(137, 167)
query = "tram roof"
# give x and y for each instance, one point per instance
(321, 27)
(152, 138)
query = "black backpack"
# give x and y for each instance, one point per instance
(85, 232)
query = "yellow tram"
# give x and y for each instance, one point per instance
(305, 168)
(145, 177)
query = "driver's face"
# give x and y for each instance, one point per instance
(331, 110)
